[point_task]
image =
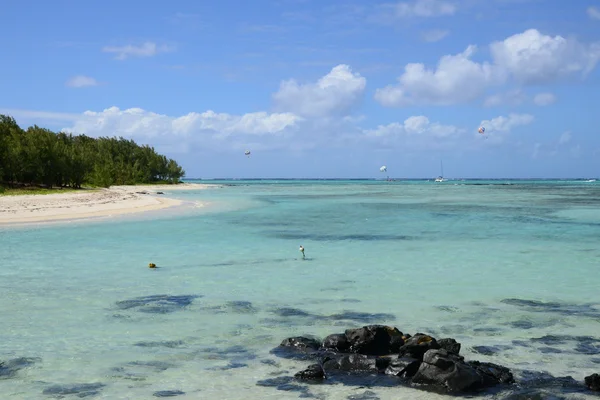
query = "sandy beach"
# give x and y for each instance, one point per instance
(92, 203)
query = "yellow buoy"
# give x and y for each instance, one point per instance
(151, 265)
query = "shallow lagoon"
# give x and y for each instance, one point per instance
(452, 259)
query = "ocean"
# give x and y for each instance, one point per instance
(507, 268)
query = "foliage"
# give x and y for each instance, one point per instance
(38, 156)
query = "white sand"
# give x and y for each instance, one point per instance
(115, 200)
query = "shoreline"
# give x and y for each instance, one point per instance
(90, 203)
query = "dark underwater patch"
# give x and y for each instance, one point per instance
(171, 344)
(488, 350)
(449, 309)
(367, 395)
(355, 316)
(234, 354)
(10, 368)
(139, 370)
(168, 393)
(157, 304)
(361, 317)
(584, 310)
(549, 350)
(335, 238)
(286, 384)
(81, 389)
(235, 307)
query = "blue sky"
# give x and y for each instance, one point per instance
(317, 88)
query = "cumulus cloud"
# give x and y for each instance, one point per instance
(334, 94)
(533, 58)
(415, 125)
(81, 81)
(544, 99)
(147, 49)
(593, 12)
(526, 58)
(456, 79)
(434, 35)
(506, 124)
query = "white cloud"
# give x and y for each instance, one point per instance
(565, 138)
(434, 35)
(423, 8)
(333, 94)
(544, 99)
(80, 81)
(139, 123)
(456, 79)
(506, 124)
(526, 58)
(147, 49)
(415, 125)
(532, 57)
(593, 12)
(512, 97)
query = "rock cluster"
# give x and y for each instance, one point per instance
(418, 360)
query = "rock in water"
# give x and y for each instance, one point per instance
(593, 382)
(374, 340)
(314, 372)
(451, 372)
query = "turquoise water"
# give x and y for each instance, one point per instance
(436, 258)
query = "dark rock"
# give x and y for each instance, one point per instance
(351, 363)
(450, 345)
(403, 367)
(337, 342)
(450, 371)
(301, 343)
(299, 347)
(374, 340)
(416, 346)
(492, 374)
(168, 393)
(313, 373)
(593, 382)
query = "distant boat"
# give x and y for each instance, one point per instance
(441, 177)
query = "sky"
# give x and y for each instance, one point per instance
(317, 88)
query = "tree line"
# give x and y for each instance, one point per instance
(38, 156)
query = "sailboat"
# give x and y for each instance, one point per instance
(441, 177)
